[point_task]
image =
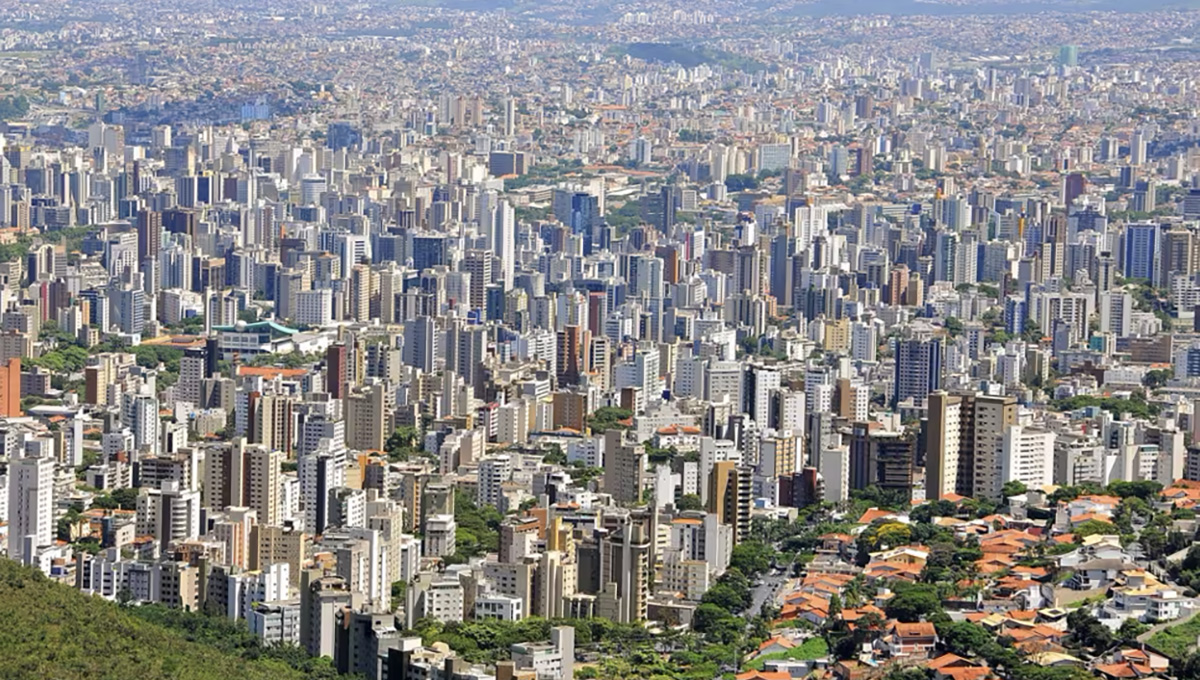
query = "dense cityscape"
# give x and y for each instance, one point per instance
(471, 340)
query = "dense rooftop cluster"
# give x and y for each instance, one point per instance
(570, 339)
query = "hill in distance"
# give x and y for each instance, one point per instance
(53, 632)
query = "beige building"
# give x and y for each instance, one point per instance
(625, 469)
(368, 417)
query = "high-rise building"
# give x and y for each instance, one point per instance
(894, 457)
(626, 572)
(943, 437)
(170, 513)
(1140, 252)
(1137, 148)
(625, 467)
(1025, 455)
(1074, 186)
(139, 413)
(478, 265)
(984, 420)
(263, 481)
(335, 370)
(319, 473)
(270, 421)
(466, 346)
(494, 471)
(192, 372)
(510, 117)
(760, 383)
(918, 369)
(571, 341)
(897, 286)
(1068, 55)
(1179, 255)
(1116, 313)
(10, 388)
(149, 233)
(131, 305)
(420, 343)
(368, 417)
(30, 507)
(730, 488)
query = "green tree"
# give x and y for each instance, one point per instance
(689, 501)
(1130, 629)
(1086, 631)
(608, 417)
(914, 602)
(91, 638)
(738, 182)
(728, 597)
(1146, 490)
(1013, 488)
(954, 326)
(1157, 378)
(963, 638)
(402, 443)
(555, 455)
(751, 557)
(1095, 527)
(478, 529)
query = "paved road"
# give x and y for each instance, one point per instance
(767, 592)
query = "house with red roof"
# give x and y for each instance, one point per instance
(906, 640)
(764, 675)
(873, 514)
(893, 570)
(954, 667)
(774, 645)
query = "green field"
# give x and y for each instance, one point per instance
(1175, 641)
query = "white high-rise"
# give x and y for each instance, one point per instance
(498, 224)
(139, 412)
(493, 472)
(1026, 455)
(322, 432)
(314, 307)
(30, 507)
(170, 514)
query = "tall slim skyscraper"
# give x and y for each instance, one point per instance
(319, 472)
(985, 418)
(10, 388)
(420, 343)
(263, 480)
(1068, 55)
(498, 222)
(729, 497)
(918, 369)
(368, 417)
(1140, 254)
(625, 469)
(271, 421)
(510, 117)
(942, 445)
(149, 232)
(1074, 186)
(335, 370)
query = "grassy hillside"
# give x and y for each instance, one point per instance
(53, 632)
